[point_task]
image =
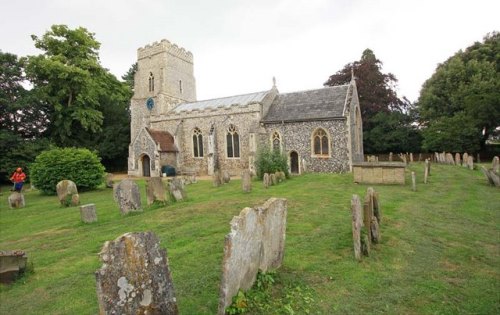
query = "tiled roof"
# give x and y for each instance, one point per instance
(164, 139)
(308, 105)
(223, 102)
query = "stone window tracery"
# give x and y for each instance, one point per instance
(320, 143)
(197, 143)
(151, 82)
(233, 142)
(276, 141)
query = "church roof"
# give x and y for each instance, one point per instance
(241, 100)
(323, 103)
(164, 139)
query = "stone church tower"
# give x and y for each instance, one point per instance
(164, 78)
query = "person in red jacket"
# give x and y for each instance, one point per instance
(18, 179)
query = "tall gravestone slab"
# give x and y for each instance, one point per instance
(246, 181)
(266, 180)
(128, 196)
(135, 277)
(457, 159)
(495, 164)
(177, 189)
(465, 159)
(357, 224)
(470, 162)
(67, 193)
(155, 190)
(256, 242)
(88, 213)
(449, 159)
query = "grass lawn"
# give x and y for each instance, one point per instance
(439, 254)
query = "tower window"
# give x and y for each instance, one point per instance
(151, 82)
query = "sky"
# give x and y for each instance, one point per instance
(239, 46)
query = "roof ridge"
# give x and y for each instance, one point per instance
(310, 90)
(220, 98)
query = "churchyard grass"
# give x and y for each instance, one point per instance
(439, 252)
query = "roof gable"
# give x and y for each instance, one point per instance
(164, 139)
(308, 105)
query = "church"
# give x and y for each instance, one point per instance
(318, 130)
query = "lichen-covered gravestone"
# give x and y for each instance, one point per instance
(256, 242)
(135, 277)
(272, 179)
(177, 190)
(67, 193)
(246, 181)
(266, 180)
(465, 159)
(226, 177)
(88, 213)
(357, 224)
(470, 162)
(127, 194)
(155, 190)
(16, 200)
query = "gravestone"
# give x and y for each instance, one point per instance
(216, 179)
(135, 277)
(426, 171)
(375, 231)
(272, 179)
(226, 177)
(256, 242)
(390, 157)
(246, 181)
(109, 180)
(411, 157)
(413, 181)
(368, 213)
(495, 164)
(357, 224)
(465, 159)
(457, 159)
(155, 190)
(436, 157)
(266, 180)
(88, 213)
(16, 200)
(67, 193)
(127, 194)
(377, 211)
(470, 162)
(449, 159)
(282, 176)
(12, 265)
(493, 177)
(177, 190)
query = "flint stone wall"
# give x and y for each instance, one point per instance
(135, 277)
(256, 241)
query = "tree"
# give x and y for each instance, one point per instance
(130, 75)
(460, 103)
(377, 96)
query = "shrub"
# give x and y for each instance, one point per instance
(268, 161)
(78, 165)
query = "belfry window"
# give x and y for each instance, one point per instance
(197, 143)
(151, 82)
(233, 142)
(320, 143)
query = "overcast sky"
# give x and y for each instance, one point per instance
(238, 46)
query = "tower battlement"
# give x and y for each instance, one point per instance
(164, 46)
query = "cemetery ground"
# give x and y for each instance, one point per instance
(439, 252)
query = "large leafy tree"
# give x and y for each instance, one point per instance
(386, 124)
(460, 103)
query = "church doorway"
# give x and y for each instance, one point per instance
(294, 162)
(146, 166)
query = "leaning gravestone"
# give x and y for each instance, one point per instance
(246, 181)
(357, 224)
(266, 180)
(67, 193)
(177, 189)
(88, 213)
(374, 230)
(135, 277)
(16, 200)
(127, 194)
(377, 211)
(256, 242)
(493, 177)
(495, 164)
(155, 190)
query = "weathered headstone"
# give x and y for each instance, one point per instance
(88, 213)
(135, 277)
(493, 177)
(413, 181)
(478, 160)
(246, 181)
(495, 164)
(436, 157)
(282, 176)
(426, 171)
(12, 265)
(16, 200)
(357, 224)
(216, 179)
(457, 159)
(256, 242)
(390, 157)
(375, 231)
(449, 159)
(67, 193)
(277, 176)
(465, 158)
(177, 190)
(411, 157)
(272, 179)
(109, 180)
(155, 190)
(127, 194)
(368, 212)
(377, 211)
(266, 180)
(470, 162)
(226, 177)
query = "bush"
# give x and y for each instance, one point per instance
(270, 162)
(78, 165)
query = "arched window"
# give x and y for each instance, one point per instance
(233, 142)
(320, 142)
(276, 141)
(197, 143)
(151, 82)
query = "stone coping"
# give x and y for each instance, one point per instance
(380, 164)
